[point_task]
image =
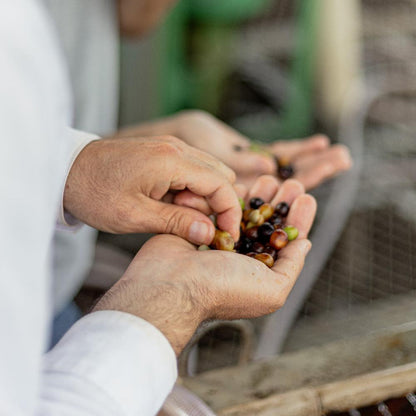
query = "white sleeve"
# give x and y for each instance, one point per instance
(95, 369)
(77, 141)
(125, 364)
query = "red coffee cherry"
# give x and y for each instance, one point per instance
(279, 239)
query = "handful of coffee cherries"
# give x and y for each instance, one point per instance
(263, 232)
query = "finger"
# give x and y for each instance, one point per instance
(290, 263)
(213, 162)
(241, 190)
(337, 154)
(294, 148)
(250, 289)
(313, 171)
(207, 182)
(194, 155)
(189, 199)
(288, 192)
(184, 222)
(250, 163)
(247, 181)
(302, 214)
(265, 188)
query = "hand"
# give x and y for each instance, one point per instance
(123, 186)
(137, 17)
(175, 287)
(314, 159)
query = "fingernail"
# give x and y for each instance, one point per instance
(307, 247)
(200, 233)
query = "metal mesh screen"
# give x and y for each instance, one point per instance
(373, 264)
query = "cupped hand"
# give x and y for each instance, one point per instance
(175, 287)
(126, 185)
(314, 158)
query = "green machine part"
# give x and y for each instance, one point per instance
(199, 84)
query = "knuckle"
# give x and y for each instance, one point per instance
(169, 147)
(175, 223)
(198, 115)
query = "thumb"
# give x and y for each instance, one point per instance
(249, 163)
(184, 222)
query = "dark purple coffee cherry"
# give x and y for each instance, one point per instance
(282, 209)
(285, 172)
(265, 231)
(244, 245)
(276, 220)
(257, 247)
(270, 250)
(252, 233)
(256, 203)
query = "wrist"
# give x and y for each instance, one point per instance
(167, 306)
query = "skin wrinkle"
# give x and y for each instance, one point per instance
(193, 286)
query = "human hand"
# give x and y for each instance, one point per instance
(136, 17)
(175, 287)
(313, 158)
(125, 186)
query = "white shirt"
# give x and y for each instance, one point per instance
(89, 38)
(109, 363)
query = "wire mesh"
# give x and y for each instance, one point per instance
(373, 264)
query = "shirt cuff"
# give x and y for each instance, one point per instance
(79, 140)
(126, 357)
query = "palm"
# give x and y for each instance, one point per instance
(243, 287)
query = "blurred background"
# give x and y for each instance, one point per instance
(281, 69)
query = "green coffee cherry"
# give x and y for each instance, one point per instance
(292, 232)
(204, 247)
(242, 204)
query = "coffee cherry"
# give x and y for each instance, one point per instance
(204, 247)
(255, 217)
(266, 210)
(292, 232)
(285, 169)
(285, 172)
(252, 233)
(256, 203)
(282, 209)
(265, 231)
(246, 214)
(270, 250)
(265, 258)
(279, 239)
(223, 241)
(244, 245)
(257, 247)
(242, 203)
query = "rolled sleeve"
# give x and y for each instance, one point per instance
(78, 140)
(117, 358)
